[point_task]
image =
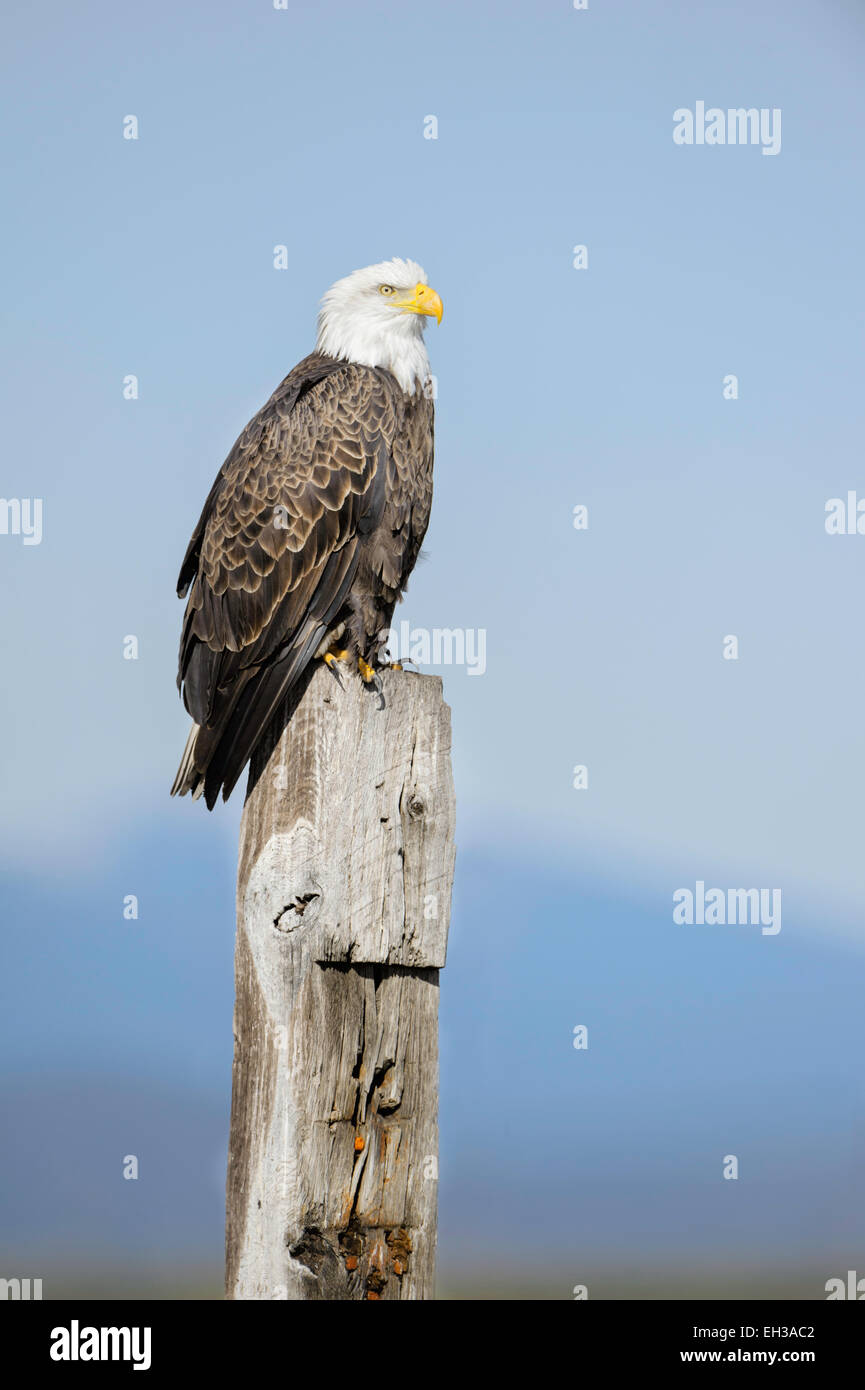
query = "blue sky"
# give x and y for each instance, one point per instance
(556, 387)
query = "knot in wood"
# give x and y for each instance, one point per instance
(290, 917)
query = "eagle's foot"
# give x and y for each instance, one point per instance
(331, 660)
(370, 676)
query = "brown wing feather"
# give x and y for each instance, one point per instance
(275, 550)
(409, 496)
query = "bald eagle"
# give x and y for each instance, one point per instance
(314, 523)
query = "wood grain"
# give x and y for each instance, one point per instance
(343, 903)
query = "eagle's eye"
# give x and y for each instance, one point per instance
(386, 289)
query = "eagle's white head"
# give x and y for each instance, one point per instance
(375, 317)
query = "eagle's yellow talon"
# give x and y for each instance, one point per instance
(366, 671)
(333, 656)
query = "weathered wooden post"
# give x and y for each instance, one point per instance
(343, 902)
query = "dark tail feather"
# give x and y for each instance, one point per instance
(200, 747)
(252, 716)
(189, 778)
(215, 756)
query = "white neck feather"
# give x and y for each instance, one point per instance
(383, 339)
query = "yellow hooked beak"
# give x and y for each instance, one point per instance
(423, 301)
